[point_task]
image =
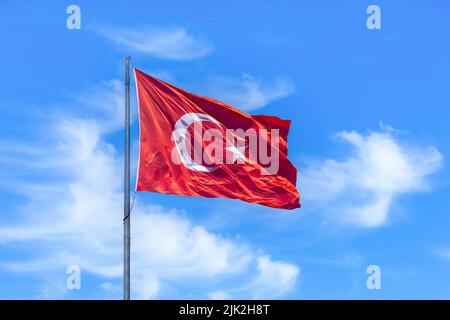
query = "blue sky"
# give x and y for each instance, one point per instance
(369, 136)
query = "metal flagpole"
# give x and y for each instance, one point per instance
(126, 195)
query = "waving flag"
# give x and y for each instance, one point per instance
(196, 146)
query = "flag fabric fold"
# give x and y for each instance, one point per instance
(196, 146)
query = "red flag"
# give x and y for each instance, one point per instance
(196, 146)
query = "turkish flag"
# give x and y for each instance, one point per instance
(196, 146)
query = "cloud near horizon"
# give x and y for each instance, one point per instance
(360, 189)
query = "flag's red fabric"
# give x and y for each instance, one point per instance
(166, 167)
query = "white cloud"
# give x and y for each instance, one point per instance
(220, 295)
(271, 279)
(248, 93)
(360, 189)
(275, 278)
(80, 221)
(173, 43)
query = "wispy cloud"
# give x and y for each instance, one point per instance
(349, 259)
(272, 279)
(248, 93)
(174, 43)
(443, 253)
(80, 221)
(361, 188)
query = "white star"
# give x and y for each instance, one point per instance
(238, 152)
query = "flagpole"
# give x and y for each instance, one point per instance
(126, 195)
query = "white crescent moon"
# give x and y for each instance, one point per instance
(179, 136)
